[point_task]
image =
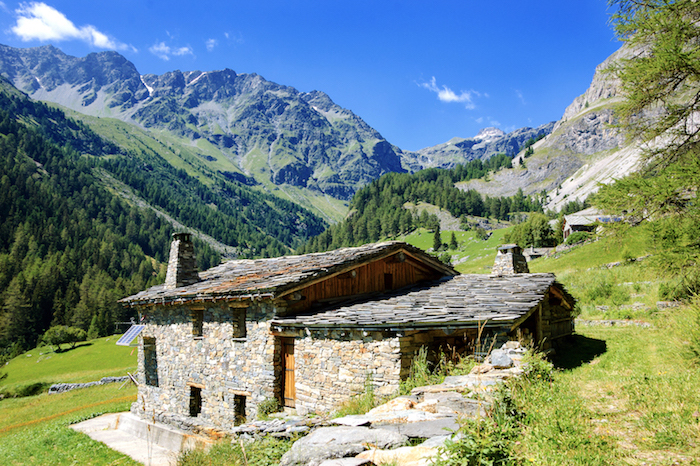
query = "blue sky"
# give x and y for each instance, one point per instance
(420, 73)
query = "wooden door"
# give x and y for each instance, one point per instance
(288, 383)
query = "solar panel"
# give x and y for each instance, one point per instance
(130, 335)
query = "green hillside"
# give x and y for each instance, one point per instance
(34, 429)
(205, 162)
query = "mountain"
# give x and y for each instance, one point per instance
(489, 142)
(260, 131)
(583, 150)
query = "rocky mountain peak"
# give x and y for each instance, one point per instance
(489, 134)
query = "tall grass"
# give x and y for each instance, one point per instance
(634, 402)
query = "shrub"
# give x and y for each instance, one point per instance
(604, 289)
(268, 406)
(578, 237)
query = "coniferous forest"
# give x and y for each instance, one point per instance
(70, 248)
(377, 210)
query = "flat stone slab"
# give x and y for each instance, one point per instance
(424, 429)
(329, 443)
(404, 416)
(105, 429)
(347, 462)
(405, 456)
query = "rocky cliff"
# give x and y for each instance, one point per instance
(584, 148)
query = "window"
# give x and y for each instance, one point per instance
(150, 361)
(195, 401)
(239, 323)
(388, 281)
(239, 408)
(197, 323)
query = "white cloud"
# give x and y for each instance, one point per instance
(211, 43)
(445, 94)
(163, 51)
(39, 21)
(520, 96)
(489, 121)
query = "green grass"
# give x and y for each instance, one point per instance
(87, 362)
(34, 429)
(583, 271)
(625, 397)
(267, 451)
(472, 256)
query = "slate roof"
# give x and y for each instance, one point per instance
(462, 300)
(589, 217)
(270, 278)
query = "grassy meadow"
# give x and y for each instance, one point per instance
(34, 429)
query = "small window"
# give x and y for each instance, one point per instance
(195, 401)
(388, 281)
(197, 323)
(150, 361)
(239, 323)
(239, 408)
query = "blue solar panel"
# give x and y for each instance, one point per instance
(130, 335)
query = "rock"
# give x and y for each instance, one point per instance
(401, 403)
(667, 304)
(481, 369)
(437, 441)
(404, 456)
(423, 429)
(347, 462)
(511, 345)
(500, 359)
(455, 403)
(338, 442)
(353, 420)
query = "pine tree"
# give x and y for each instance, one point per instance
(453, 241)
(437, 238)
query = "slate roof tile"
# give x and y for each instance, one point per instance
(452, 300)
(264, 278)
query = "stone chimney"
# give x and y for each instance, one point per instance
(509, 260)
(182, 266)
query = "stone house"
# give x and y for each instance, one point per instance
(312, 330)
(588, 220)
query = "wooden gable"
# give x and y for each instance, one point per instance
(398, 270)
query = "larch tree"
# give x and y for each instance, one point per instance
(660, 84)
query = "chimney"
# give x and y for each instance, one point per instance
(509, 260)
(182, 266)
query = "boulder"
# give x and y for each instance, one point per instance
(405, 456)
(338, 442)
(500, 359)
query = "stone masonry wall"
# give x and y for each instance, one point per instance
(222, 366)
(333, 367)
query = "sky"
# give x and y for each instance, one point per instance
(418, 72)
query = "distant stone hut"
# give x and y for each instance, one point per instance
(587, 220)
(310, 330)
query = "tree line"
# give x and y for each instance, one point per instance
(377, 210)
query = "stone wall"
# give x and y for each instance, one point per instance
(333, 367)
(221, 365)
